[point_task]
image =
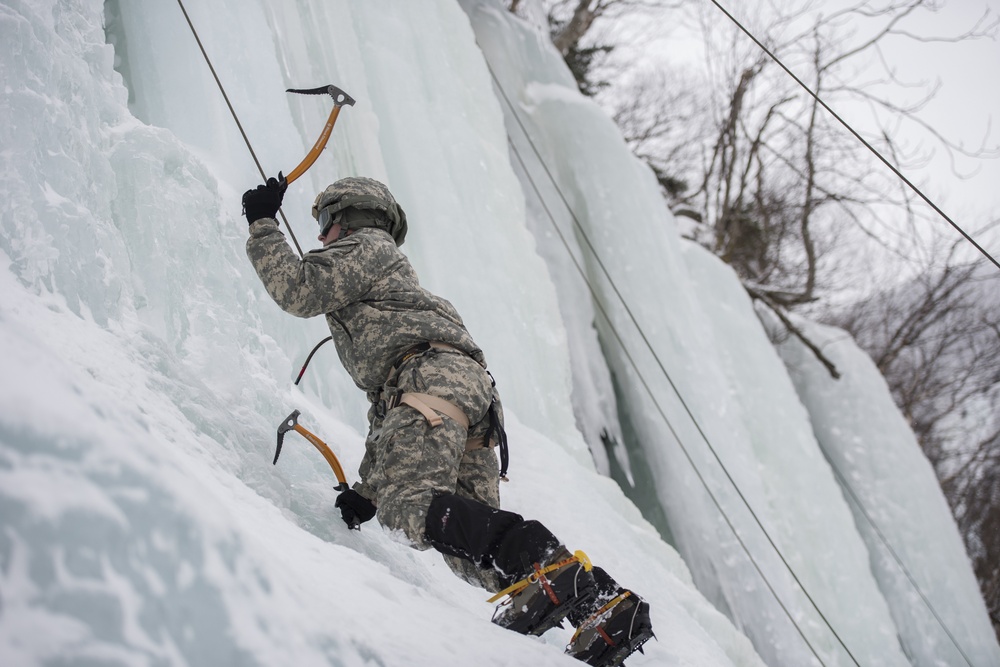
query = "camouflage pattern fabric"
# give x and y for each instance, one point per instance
(377, 311)
(407, 460)
(365, 196)
(353, 186)
(374, 305)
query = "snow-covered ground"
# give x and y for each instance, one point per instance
(145, 371)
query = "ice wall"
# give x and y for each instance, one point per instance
(700, 323)
(425, 123)
(144, 369)
(915, 548)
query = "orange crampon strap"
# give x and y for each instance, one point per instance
(539, 574)
(597, 614)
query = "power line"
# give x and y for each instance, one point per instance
(857, 136)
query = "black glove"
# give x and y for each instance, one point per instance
(355, 509)
(265, 200)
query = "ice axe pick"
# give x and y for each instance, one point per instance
(291, 423)
(340, 98)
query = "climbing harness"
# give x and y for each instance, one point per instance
(291, 423)
(429, 406)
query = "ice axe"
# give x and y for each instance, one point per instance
(291, 423)
(340, 98)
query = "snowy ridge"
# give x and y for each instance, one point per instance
(145, 370)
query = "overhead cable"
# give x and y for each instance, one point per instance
(858, 136)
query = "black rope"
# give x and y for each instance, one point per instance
(867, 145)
(232, 111)
(309, 358)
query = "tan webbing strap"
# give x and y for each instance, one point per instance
(477, 443)
(429, 406)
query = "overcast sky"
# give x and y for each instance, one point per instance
(965, 109)
(967, 104)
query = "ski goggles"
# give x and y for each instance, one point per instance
(331, 214)
(328, 218)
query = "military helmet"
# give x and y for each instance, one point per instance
(358, 201)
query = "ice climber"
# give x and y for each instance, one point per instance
(430, 466)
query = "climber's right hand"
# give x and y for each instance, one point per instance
(355, 509)
(265, 200)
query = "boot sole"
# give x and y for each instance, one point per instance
(613, 655)
(624, 650)
(556, 616)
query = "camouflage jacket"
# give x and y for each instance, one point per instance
(374, 305)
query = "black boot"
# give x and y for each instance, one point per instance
(616, 625)
(544, 581)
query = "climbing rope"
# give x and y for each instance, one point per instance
(236, 118)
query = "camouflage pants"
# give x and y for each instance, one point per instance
(407, 460)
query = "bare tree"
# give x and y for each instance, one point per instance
(571, 24)
(661, 118)
(778, 180)
(779, 173)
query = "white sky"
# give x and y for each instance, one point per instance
(965, 107)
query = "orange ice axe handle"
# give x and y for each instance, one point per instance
(291, 423)
(340, 98)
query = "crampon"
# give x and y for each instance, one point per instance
(613, 632)
(546, 596)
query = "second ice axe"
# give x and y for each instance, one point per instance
(291, 423)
